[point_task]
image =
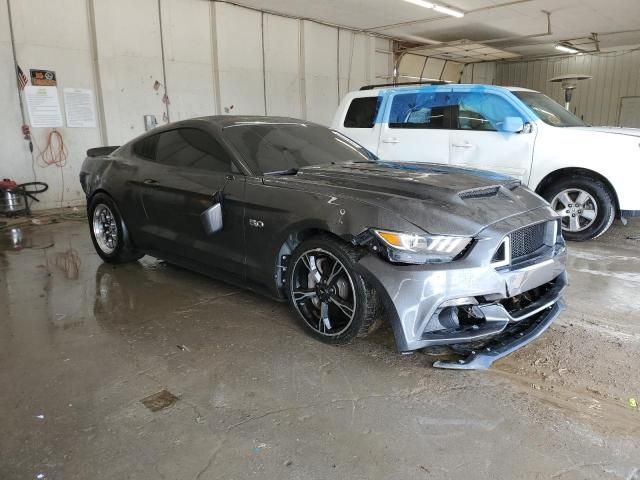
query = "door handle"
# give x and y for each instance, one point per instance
(150, 181)
(462, 145)
(229, 177)
(391, 140)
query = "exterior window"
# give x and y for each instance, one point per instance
(146, 148)
(274, 148)
(362, 112)
(481, 111)
(192, 148)
(422, 110)
(548, 110)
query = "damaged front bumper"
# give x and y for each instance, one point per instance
(515, 332)
(480, 307)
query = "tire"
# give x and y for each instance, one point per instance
(575, 196)
(109, 233)
(337, 285)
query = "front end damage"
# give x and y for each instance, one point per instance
(503, 294)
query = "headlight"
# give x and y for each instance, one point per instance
(414, 248)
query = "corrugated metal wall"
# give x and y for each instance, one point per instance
(615, 75)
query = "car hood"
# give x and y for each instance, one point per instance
(632, 132)
(437, 199)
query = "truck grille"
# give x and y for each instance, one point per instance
(527, 240)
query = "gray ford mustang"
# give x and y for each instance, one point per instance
(302, 213)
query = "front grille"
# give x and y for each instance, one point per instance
(527, 240)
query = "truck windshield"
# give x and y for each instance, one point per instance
(549, 111)
(282, 147)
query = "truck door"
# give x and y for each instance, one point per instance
(485, 135)
(416, 126)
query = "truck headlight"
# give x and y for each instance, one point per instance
(416, 248)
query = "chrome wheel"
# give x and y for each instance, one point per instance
(323, 293)
(105, 229)
(577, 208)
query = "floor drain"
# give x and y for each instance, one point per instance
(160, 400)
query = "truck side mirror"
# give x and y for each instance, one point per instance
(513, 125)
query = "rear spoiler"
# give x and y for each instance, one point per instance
(101, 151)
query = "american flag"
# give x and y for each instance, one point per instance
(22, 78)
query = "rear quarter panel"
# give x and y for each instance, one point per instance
(114, 175)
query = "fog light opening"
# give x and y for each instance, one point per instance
(461, 317)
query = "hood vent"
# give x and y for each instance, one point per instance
(484, 192)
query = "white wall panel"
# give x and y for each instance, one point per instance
(321, 72)
(128, 41)
(186, 29)
(282, 66)
(383, 60)
(239, 45)
(357, 61)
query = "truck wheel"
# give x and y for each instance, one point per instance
(586, 206)
(333, 302)
(108, 231)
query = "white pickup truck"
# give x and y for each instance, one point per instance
(590, 175)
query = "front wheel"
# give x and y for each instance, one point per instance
(333, 302)
(585, 205)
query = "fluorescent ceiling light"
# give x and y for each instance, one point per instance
(437, 8)
(421, 3)
(448, 11)
(564, 48)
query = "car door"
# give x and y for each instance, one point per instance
(193, 172)
(480, 136)
(416, 127)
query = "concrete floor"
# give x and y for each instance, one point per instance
(82, 343)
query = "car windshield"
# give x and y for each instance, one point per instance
(272, 148)
(549, 111)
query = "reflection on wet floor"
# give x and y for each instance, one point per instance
(19, 238)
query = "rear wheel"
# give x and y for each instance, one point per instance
(109, 233)
(585, 205)
(333, 302)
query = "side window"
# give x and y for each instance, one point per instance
(424, 110)
(481, 111)
(192, 148)
(146, 148)
(362, 112)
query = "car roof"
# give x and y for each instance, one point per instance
(223, 121)
(218, 122)
(454, 86)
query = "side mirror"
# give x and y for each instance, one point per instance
(513, 125)
(211, 219)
